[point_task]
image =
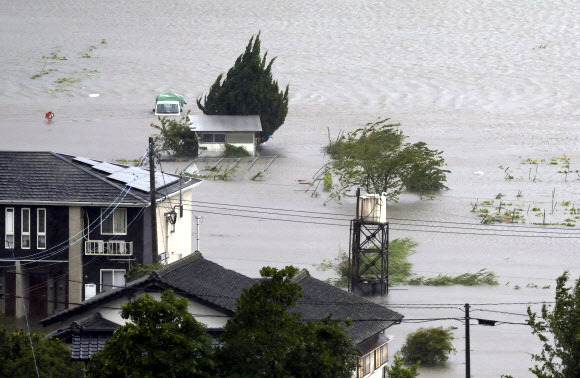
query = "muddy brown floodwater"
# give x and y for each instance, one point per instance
(490, 83)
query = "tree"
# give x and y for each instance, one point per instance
(51, 356)
(558, 329)
(378, 159)
(430, 346)
(175, 137)
(163, 339)
(249, 89)
(140, 270)
(265, 338)
(397, 370)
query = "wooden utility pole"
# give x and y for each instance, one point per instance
(153, 201)
(467, 346)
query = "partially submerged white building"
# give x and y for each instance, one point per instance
(214, 131)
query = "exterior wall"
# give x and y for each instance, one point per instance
(111, 311)
(175, 240)
(47, 294)
(75, 256)
(238, 139)
(376, 370)
(93, 264)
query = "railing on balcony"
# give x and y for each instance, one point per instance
(109, 248)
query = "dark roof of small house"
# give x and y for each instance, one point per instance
(218, 287)
(225, 123)
(48, 177)
(92, 323)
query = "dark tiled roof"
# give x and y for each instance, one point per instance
(321, 300)
(218, 287)
(51, 177)
(86, 344)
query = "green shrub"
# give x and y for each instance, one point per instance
(232, 151)
(175, 137)
(430, 346)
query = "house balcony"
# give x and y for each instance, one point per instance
(108, 248)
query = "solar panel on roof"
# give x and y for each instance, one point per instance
(86, 161)
(139, 178)
(108, 167)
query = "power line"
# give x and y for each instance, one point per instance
(193, 202)
(392, 228)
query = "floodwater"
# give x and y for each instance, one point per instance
(491, 83)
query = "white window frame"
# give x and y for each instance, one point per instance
(24, 234)
(113, 276)
(38, 232)
(109, 215)
(6, 233)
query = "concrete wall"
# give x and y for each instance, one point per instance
(75, 256)
(176, 239)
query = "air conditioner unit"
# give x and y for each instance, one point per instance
(372, 208)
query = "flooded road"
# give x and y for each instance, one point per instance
(489, 83)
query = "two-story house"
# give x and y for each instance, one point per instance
(71, 227)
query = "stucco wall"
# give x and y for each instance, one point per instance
(175, 239)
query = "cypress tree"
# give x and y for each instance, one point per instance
(249, 89)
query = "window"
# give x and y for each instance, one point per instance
(114, 223)
(25, 237)
(365, 365)
(9, 232)
(213, 138)
(41, 228)
(381, 355)
(112, 278)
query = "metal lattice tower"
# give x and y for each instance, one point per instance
(368, 256)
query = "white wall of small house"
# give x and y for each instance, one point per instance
(175, 240)
(237, 139)
(111, 311)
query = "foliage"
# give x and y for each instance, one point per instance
(175, 137)
(327, 180)
(232, 151)
(397, 370)
(431, 346)
(162, 339)
(249, 89)
(265, 338)
(483, 277)
(52, 355)
(400, 269)
(139, 271)
(378, 159)
(562, 325)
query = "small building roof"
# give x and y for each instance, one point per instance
(218, 288)
(52, 178)
(225, 123)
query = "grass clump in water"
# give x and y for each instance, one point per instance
(483, 277)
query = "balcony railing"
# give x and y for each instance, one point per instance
(108, 248)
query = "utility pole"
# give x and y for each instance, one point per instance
(467, 354)
(153, 201)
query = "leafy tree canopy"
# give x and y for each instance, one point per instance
(265, 338)
(162, 340)
(175, 137)
(398, 370)
(140, 270)
(378, 159)
(558, 329)
(52, 356)
(430, 346)
(249, 89)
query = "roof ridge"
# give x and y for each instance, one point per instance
(179, 263)
(56, 154)
(304, 273)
